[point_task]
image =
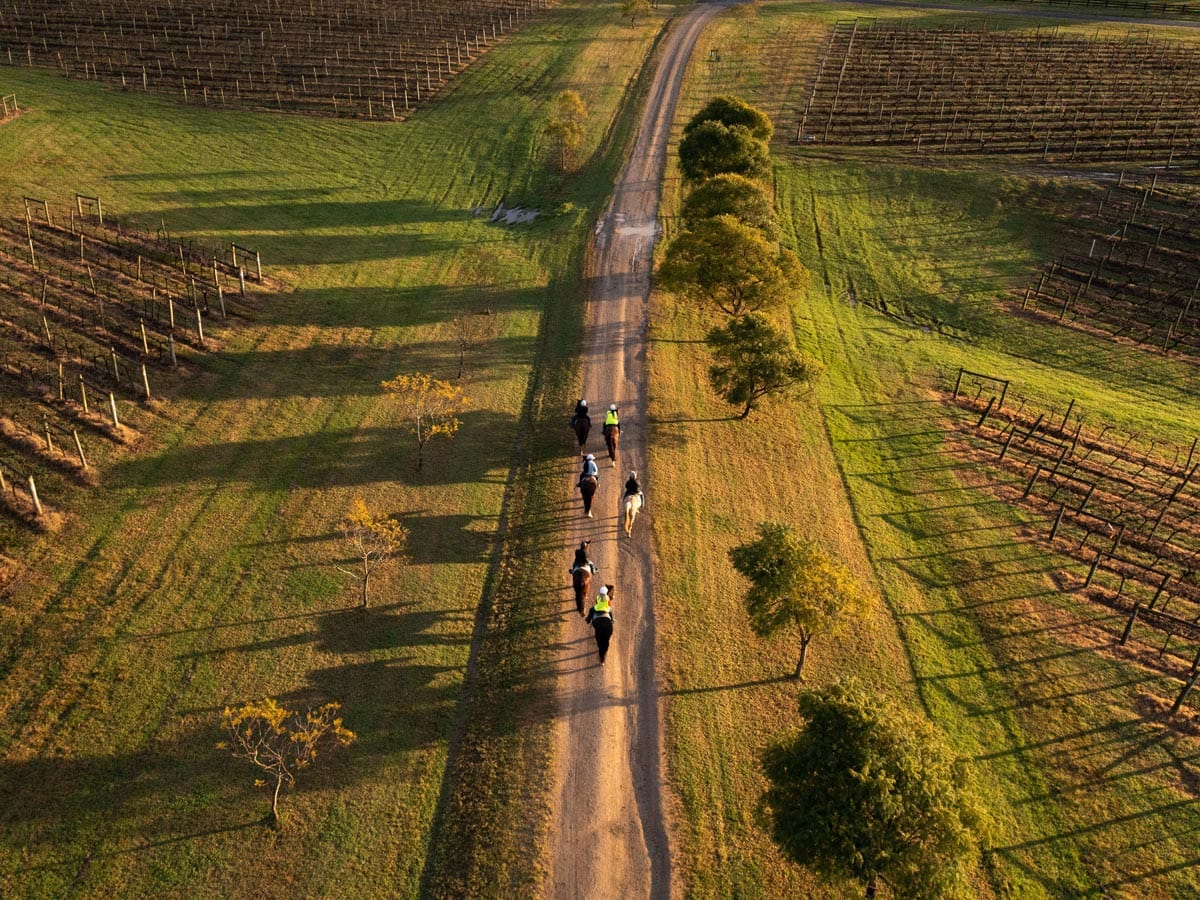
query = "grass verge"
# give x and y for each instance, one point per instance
(1088, 790)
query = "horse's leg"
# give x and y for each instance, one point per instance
(628, 517)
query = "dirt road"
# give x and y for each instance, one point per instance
(609, 837)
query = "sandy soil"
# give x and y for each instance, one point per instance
(609, 835)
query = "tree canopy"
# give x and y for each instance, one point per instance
(565, 127)
(731, 195)
(754, 359)
(730, 111)
(794, 586)
(868, 793)
(713, 148)
(729, 264)
(431, 407)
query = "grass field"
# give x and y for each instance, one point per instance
(201, 572)
(1088, 790)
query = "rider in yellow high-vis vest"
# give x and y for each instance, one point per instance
(610, 419)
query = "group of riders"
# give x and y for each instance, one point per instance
(600, 615)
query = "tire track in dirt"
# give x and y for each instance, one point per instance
(608, 831)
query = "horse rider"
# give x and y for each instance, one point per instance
(589, 468)
(600, 617)
(581, 559)
(633, 489)
(610, 420)
(581, 409)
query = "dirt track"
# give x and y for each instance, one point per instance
(609, 835)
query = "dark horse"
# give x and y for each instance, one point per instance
(587, 487)
(581, 580)
(612, 435)
(581, 424)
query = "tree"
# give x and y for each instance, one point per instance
(282, 742)
(731, 195)
(729, 264)
(867, 793)
(753, 359)
(373, 542)
(635, 9)
(712, 148)
(430, 406)
(794, 586)
(565, 125)
(730, 111)
(472, 331)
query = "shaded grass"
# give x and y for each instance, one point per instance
(201, 574)
(1087, 791)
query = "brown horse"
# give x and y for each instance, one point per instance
(612, 435)
(581, 424)
(581, 580)
(587, 487)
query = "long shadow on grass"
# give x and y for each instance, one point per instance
(342, 456)
(102, 805)
(358, 630)
(351, 371)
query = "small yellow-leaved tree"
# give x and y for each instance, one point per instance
(565, 126)
(430, 406)
(373, 542)
(281, 742)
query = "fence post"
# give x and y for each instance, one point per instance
(112, 404)
(146, 381)
(83, 393)
(957, 382)
(46, 428)
(1129, 625)
(79, 447)
(199, 326)
(37, 504)
(171, 348)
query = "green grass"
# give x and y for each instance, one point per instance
(1088, 791)
(201, 574)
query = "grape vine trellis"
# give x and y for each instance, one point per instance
(358, 58)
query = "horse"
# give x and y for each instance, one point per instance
(581, 580)
(587, 487)
(611, 436)
(633, 505)
(581, 424)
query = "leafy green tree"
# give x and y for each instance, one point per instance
(731, 195)
(729, 264)
(754, 359)
(730, 111)
(281, 742)
(430, 406)
(867, 793)
(565, 127)
(794, 586)
(712, 148)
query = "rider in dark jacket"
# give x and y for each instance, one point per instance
(600, 617)
(581, 558)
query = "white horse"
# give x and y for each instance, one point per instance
(633, 505)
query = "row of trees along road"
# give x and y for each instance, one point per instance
(862, 792)
(728, 256)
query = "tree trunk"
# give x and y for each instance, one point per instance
(749, 406)
(365, 578)
(871, 886)
(275, 803)
(803, 653)
(462, 358)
